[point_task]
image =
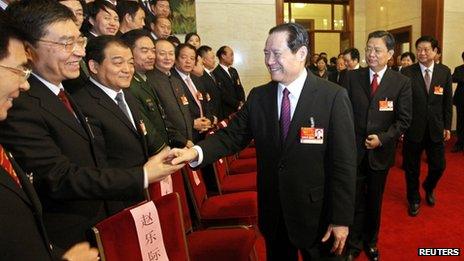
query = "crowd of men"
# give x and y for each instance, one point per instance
(111, 91)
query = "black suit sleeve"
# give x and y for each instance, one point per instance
(448, 101)
(403, 113)
(33, 144)
(342, 157)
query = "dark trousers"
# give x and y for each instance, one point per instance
(460, 127)
(412, 152)
(370, 185)
(279, 248)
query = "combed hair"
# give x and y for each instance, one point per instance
(182, 46)
(9, 31)
(129, 38)
(428, 38)
(95, 49)
(354, 53)
(33, 17)
(411, 55)
(202, 50)
(297, 36)
(387, 37)
(94, 8)
(127, 7)
(189, 35)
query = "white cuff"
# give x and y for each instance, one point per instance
(195, 163)
(145, 178)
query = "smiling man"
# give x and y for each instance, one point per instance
(382, 107)
(103, 18)
(305, 182)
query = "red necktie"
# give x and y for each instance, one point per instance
(194, 93)
(285, 114)
(6, 165)
(374, 84)
(64, 99)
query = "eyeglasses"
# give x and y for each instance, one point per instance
(377, 51)
(23, 73)
(70, 46)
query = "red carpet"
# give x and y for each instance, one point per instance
(441, 226)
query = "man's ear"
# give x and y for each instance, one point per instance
(31, 54)
(93, 66)
(302, 53)
(128, 18)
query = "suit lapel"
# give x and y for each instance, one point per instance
(383, 84)
(303, 109)
(420, 77)
(109, 105)
(366, 81)
(269, 102)
(50, 102)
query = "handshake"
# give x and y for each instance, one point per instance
(167, 162)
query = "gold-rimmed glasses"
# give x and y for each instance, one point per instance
(23, 73)
(69, 46)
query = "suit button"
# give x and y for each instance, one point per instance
(281, 166)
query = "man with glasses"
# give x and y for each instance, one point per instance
(53, 141)
(431, 122)
(22, 232)
(381, 101)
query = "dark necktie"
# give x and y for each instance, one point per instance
(285, 115)
(64, 99)
(230, 73)
(122, 105)
(427, 79)
(374, 84)
(6, 165)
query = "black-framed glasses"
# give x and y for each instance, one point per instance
(69, 46)
(23, 73)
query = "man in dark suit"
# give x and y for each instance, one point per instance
(111, 109)
(381, 100)
(186, 58)
(431, 122)
(351, 57)
(211, 84)
(306, 168)
(51, 138)
(339, 74)
(22, 231)
(233, 95)
(458, 101)
(170, 92)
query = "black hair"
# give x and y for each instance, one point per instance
(95, 49)
(322, 58)
(428, 38)
(8, 32)
(33, 17)
(202, 50)
(182, 46)
(173, 39)
(189, 35)
(129, 38)
(95, 7)
(221, 51)
(387, 38)
(127, 7)
(411, 55)
(297, 35)
(354, 53)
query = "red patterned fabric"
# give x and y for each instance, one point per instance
(221, 244)
(119, 236)
(6, 165)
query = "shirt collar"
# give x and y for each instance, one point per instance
(422, 67)
(207, 70)
(3, 5)
(142, 76)
(54, 88)
(154, 36)
(225, 68)
(296, 86)
(110, 92)
(182, 75)
(380, 74)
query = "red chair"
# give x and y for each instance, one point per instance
(238, 166)
(228, 244)
(232, 183)
(247, 153)
(117, 236)
(233, 208)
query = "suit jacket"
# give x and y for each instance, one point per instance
(194, 109)
(170, 93)
(369, 119)
(231, 89)
(22, 232)
(458, 77)
(213, 95)
(430, 111)
(311, 185)
(340, 75)
(159, 128)
(66, 160)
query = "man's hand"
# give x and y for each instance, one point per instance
(340, 234)
(159, 166)
(372, 141)
(446, 135)
(201, 124)
(183, 155)
(189, 144)
(81, 252)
